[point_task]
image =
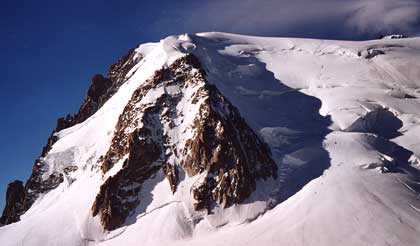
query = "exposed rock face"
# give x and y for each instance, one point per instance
(100, 90)
(37, 184)
(371, 53)
(115, 200)
(226, 147)
(64, 122)
(380, 121)
(14, 198)
(94, 98)
(175, 123)
(118, 72)
(154, 133)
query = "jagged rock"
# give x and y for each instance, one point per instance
(222, 145)
(120, 145)
(371, 53)
(127, 120)
(380, 121)
(14, 198)
(115, 201)
(118, 71)
(65, 122)
(100, 90)
(118, 196)
(93, 101)
(62, 123)
(226, 147)
(37, 185)
(51, 140)
(171, 173)
(20, 198)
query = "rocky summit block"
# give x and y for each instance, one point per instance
(155, 134)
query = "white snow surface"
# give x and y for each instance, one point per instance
(317, 103)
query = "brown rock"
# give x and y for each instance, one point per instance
(14, 198)
(119, 195)
(223, 146)
(100, 90)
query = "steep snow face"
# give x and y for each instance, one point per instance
(342, 120)
(369, 90)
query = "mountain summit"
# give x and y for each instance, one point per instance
(223, 139)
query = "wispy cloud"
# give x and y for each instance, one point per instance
(298, 17)
(384, 15)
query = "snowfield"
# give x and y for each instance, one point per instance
(342, 119)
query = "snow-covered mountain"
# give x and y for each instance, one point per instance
(222, 139)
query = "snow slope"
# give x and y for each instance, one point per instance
(343, 122)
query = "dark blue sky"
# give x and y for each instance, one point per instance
(51, 49)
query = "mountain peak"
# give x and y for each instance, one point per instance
(154, 133)
(233, 139)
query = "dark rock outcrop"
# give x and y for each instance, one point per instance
(223, 146)
(115, 200)
(95, 97)
(379, 121)
(371, 53)
(65, 122)
(227, 154)
(38, 184)
(102, 88)
(118, 72)
(14, 198)
(226, 147)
